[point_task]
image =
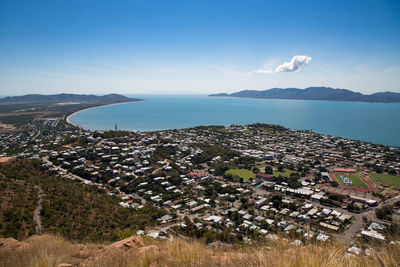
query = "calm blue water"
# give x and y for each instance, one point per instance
(372, 122)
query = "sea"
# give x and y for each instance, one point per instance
(377, 123)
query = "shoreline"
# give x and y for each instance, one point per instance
(154, 128)
(76, 112)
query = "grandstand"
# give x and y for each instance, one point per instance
(346, 180)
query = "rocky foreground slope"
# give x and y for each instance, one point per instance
(47, 250)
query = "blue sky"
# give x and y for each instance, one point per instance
(197, 47)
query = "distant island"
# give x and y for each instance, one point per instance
(316, 93)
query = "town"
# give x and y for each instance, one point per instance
(241, 183)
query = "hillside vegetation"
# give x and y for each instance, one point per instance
(71, 209)
(18, 201)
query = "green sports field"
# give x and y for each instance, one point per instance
(357, 182)
(284, 173)
(242, 173)
(388, 179)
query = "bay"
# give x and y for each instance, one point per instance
(371, 122)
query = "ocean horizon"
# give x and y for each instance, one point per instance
(370, 122)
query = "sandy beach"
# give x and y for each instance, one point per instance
(76, 112)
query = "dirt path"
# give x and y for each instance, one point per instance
(33, 138)
(36, 215)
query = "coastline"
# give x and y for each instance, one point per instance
(183, 116)
(76, 112)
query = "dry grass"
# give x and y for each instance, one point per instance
(47, 250)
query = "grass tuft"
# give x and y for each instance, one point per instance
(46, 251)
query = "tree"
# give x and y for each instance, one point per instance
(385, 213)
(280, 168)
(220, 169)
(269, 170)
(187, 220)
(353, 208)
(276, 197)
(334, 183)
(276, 203)
(293, 181)
(228, 176)
(256, 170)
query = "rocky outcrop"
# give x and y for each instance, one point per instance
(151, 248)
(127, 243)
(9, 244)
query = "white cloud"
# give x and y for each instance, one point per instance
(264, 71)
(390, 69)
(295, 64)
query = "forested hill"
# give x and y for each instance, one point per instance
(316, 93)
(60, 98)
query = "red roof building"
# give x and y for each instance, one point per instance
(196, 174)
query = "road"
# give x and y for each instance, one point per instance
(73, 176)
(161, 168)
(358, 222)
(352, 230)
(347, 237)
(36, 215)
(33, 138)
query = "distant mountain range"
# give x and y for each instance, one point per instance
(62, 98)
(316, 93)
